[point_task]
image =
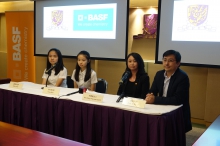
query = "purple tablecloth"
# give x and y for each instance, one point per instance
(91, 124)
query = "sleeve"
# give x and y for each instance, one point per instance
(63, 73)
(73, 74)
(93, 77)
(145, 83)
(44, 75)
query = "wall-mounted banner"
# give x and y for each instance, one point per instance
(20, 42)
(150, 27)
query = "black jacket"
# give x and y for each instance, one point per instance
(177, 93)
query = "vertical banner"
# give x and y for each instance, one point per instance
(20, 46)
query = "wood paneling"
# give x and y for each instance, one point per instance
(3, 65)
(112, 72)
(212, 104)
(198, 86)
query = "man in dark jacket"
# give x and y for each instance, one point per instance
(171, 86)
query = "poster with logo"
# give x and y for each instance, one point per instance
(196, 21)
(20, 43)
(81, 21)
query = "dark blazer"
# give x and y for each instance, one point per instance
(177, 93)
(141, 88)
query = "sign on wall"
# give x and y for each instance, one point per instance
(20, 46)
(150, 27)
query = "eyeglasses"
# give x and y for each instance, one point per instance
(168, 60)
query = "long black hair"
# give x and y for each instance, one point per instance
(88, 66)
(59, 64)
(140, 62)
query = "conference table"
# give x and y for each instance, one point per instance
(12, 135)
(104, 123)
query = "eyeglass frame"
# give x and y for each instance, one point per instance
(168, 60)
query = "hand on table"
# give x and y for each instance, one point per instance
(150, 98)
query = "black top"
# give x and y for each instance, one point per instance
(137, 89)
(130, 88)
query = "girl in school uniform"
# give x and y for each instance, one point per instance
(56, 76)
(83, 75)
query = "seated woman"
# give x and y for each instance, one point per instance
(56, 76)
(137, 83)
(83, 75)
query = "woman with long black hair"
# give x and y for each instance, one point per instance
(137, 83)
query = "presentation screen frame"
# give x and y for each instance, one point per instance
(113, 48)
(198, 52)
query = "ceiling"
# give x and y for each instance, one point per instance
(133, 3)
(143, 3)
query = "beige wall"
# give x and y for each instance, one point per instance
(3, 46)
(204, 82)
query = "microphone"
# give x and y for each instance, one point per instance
(127, 73)
(51, 68)
(120, 97)
(69, 94)
(72, 93)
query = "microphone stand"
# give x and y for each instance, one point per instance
(123, 91)
(49, 73)
(48, 77)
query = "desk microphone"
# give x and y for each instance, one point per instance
(125, 76)
(68, 94)
(72, 93)
(81, 91)
(51, 68)
(49, 73)
(120, 97)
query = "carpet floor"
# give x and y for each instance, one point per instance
(194, 134)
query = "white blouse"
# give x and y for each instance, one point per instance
(81, 82)
(53, 78)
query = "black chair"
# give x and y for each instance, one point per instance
(5, 81)
(69, 82)
(101, 85)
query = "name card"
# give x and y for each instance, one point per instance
(51, 91)
(135, 102)
(15, 85)
(92, 97)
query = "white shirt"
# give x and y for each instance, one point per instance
(53, 78)
(81, 82)
(166, 84)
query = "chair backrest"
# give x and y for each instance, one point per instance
(101, 86)
(4, 81)
(69, 82)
